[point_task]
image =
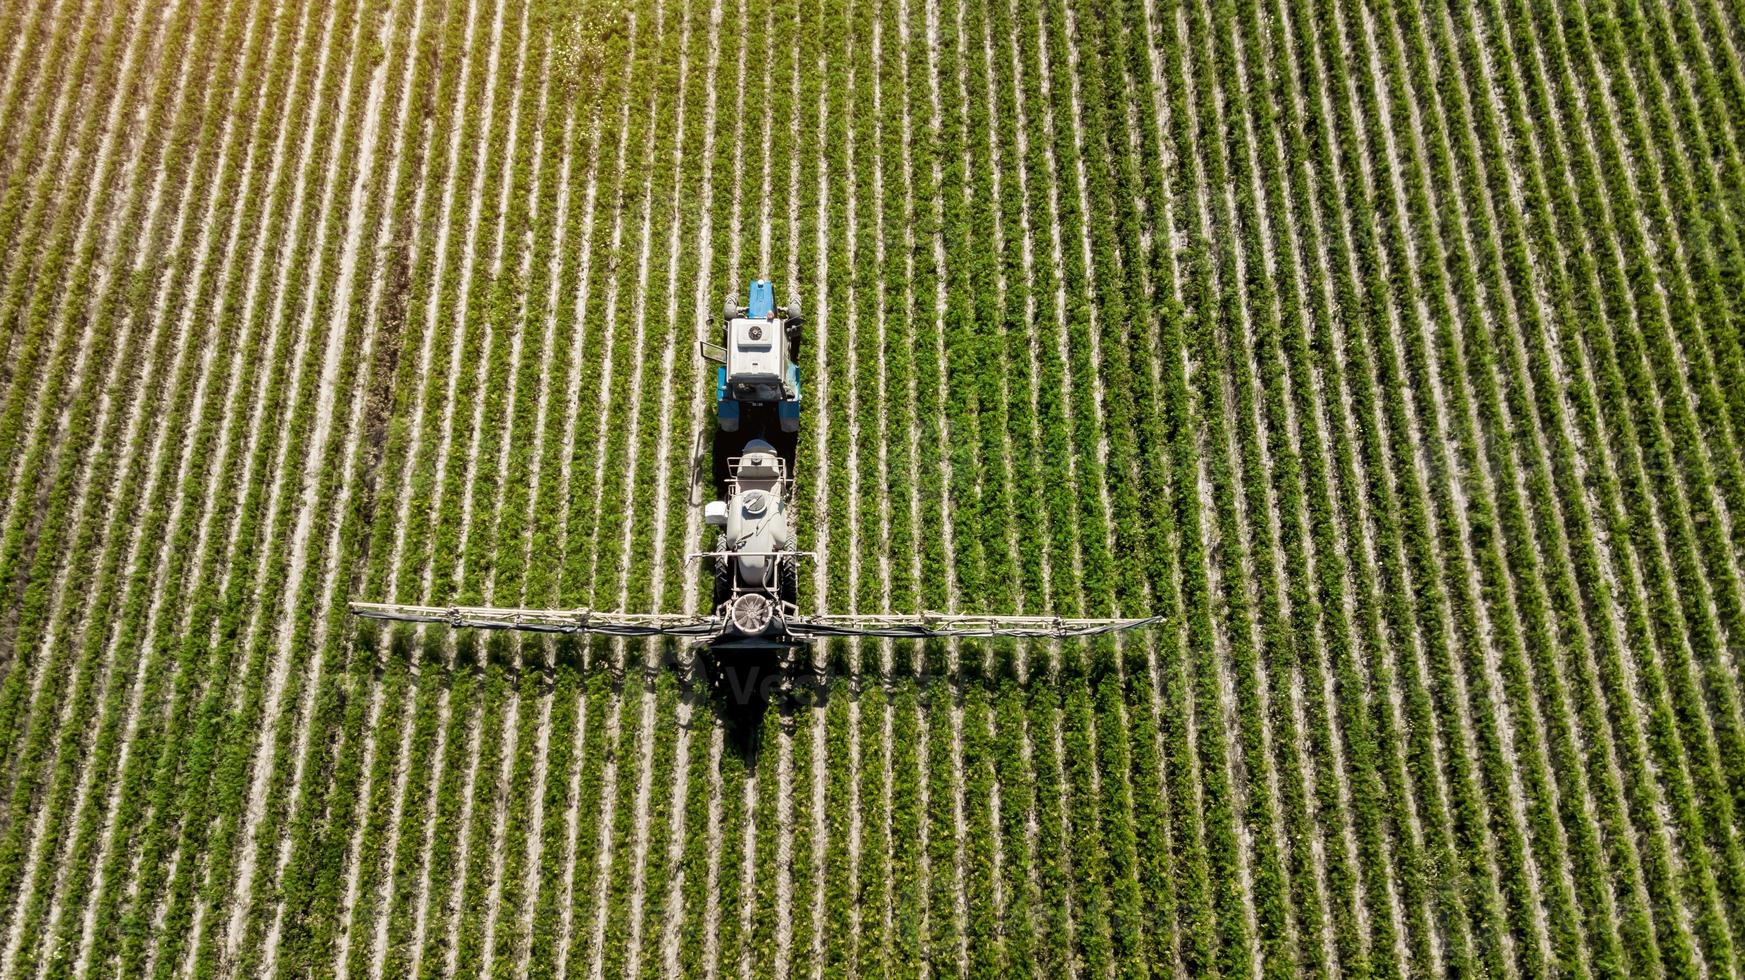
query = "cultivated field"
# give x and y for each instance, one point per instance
(1391, 350)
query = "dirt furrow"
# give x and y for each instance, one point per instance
(1593, 462)
(158, 315)
(640, 844)
(530, 885)
(784, 830)
(43, 13)
(331, 574)
(747, 876)
(432, 318)
(583, 309)
(327, 395)
(822, 325)
(1462, 724)
(451, 905)
(1025, 601)
(825, 323)
(1311, 777)
(879, 149)
(522, 682)
(301, 339)
(257, 410)
(1466, 565)
(403, 773)
(353, 872)
(854, 683)
(1210, 546)
(135, 417)
(1358, 525)
(21, 500)
(675, 915)
(110, 193)
(231, 385)
(1565, 713)
(717, 849)
(1690, 505)
(671, 915)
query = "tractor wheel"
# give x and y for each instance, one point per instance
(723, 574)
(790, 580)
(730, 308)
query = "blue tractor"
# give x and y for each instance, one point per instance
(758, 380)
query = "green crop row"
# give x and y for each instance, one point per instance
(1384, 349)
(84, 822)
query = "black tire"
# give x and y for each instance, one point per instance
(792, 323)
(790, 580)
(723, 574)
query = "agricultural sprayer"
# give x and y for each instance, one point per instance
(755, 557)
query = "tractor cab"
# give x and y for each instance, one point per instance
(757, 357)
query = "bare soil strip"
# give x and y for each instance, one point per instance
(684, 808)
(1209, 546)
(522, 681)
(452, 904)
(609, 845)
(1565, 713)
(150, 493)
(533, 859)
(566, 900)
(1026, 602)
(1310, 775)
(326, 395)
(402, 775)
(331, 574)
(442, 252)
(304, 328)
(20, 503)
(256, 413)
(132, 417)
(354, 849)
(110, 193)
(1461, 724)
(1435, 430)
(232, 383)
(1593, 464)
